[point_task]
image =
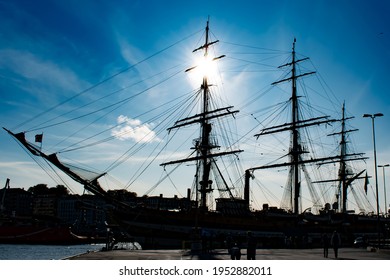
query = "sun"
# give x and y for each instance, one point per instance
(206, 67)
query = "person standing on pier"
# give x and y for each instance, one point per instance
(336, 242)
(235, 252)
(251, 246)
(325, 243)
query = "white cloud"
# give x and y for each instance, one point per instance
(132, 129)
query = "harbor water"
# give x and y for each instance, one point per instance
(43, 252)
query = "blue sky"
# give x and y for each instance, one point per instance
(51, 51)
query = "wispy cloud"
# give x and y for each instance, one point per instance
(133, 129)
(43, 75)
(22, 173)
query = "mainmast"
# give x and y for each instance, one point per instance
(296, 148)
(204, 145)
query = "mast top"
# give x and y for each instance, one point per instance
(207, 43)
(295, 40)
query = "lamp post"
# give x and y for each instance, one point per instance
(384, 184)
(375, 165)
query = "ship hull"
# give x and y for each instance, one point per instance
(160, 229)
(44, 235)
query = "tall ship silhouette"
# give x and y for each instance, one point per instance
(218, 163)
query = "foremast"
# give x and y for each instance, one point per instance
(296, 149)
(205, 145)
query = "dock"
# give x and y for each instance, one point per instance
(222, 254)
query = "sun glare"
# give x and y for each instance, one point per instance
(206, 67)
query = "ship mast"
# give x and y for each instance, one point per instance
(343, 165)
(296, 148)
(204, 145)
(344, 176)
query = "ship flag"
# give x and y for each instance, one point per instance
(39, 138)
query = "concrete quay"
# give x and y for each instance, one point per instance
(222, 254)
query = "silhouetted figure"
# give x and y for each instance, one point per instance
(251, 246)
(336, 242)
(235, 252)
(229, 242)
(325, 243)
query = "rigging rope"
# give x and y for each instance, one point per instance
(44, 168)
(104, 97)
(69, 148)
(120, 103)
(103, 81)
(135, 177)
